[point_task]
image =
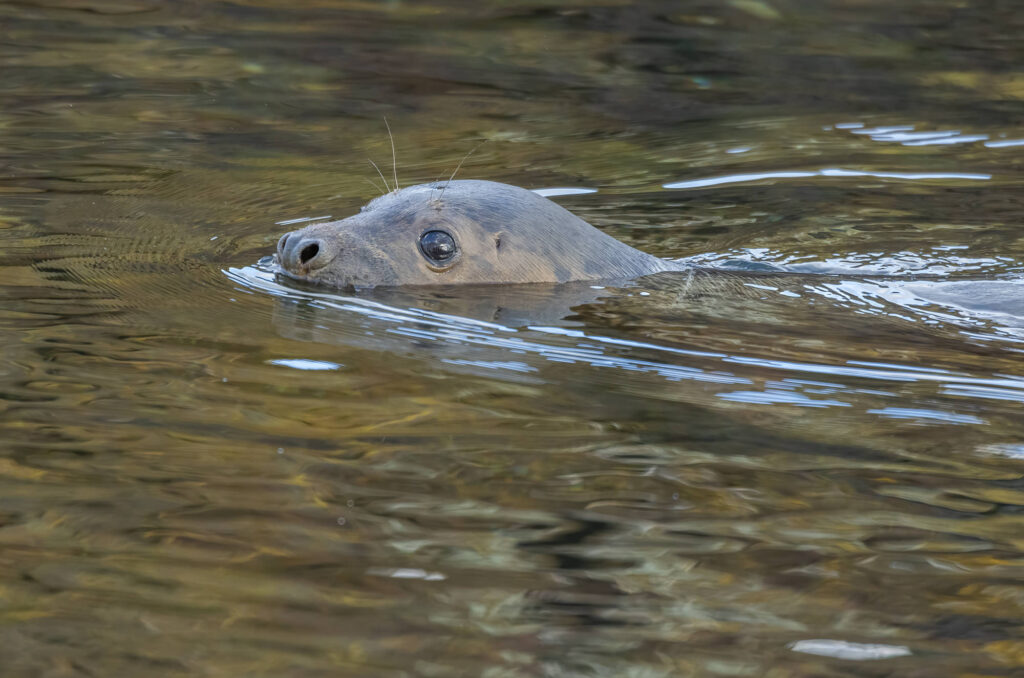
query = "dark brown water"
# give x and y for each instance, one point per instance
(207, 472)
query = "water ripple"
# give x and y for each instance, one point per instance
(573, 346)
(826, 172)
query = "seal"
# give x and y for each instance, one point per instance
(459, 232)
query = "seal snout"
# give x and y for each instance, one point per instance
(301, 253)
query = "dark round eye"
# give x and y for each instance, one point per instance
(437, 246)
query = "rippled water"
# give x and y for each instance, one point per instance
(803, 459)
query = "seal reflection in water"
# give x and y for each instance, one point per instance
(459, 232)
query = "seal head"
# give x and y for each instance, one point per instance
(460, 232)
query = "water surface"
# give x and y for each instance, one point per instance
(809, 464)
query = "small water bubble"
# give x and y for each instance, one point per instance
(342, 521)
(351, 503)
(280, 450)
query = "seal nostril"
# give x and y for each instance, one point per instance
(309, 252)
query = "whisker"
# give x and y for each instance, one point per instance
(381, 175)
(394, 162)
(433, 187)
(375, 185)
(457, 167)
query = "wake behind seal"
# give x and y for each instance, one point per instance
(459, 232)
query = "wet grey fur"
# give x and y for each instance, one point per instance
(504, 234)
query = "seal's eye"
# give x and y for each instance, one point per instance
(437, 246)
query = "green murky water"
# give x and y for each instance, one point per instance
(207, 472)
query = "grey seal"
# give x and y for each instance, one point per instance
(459, 232)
